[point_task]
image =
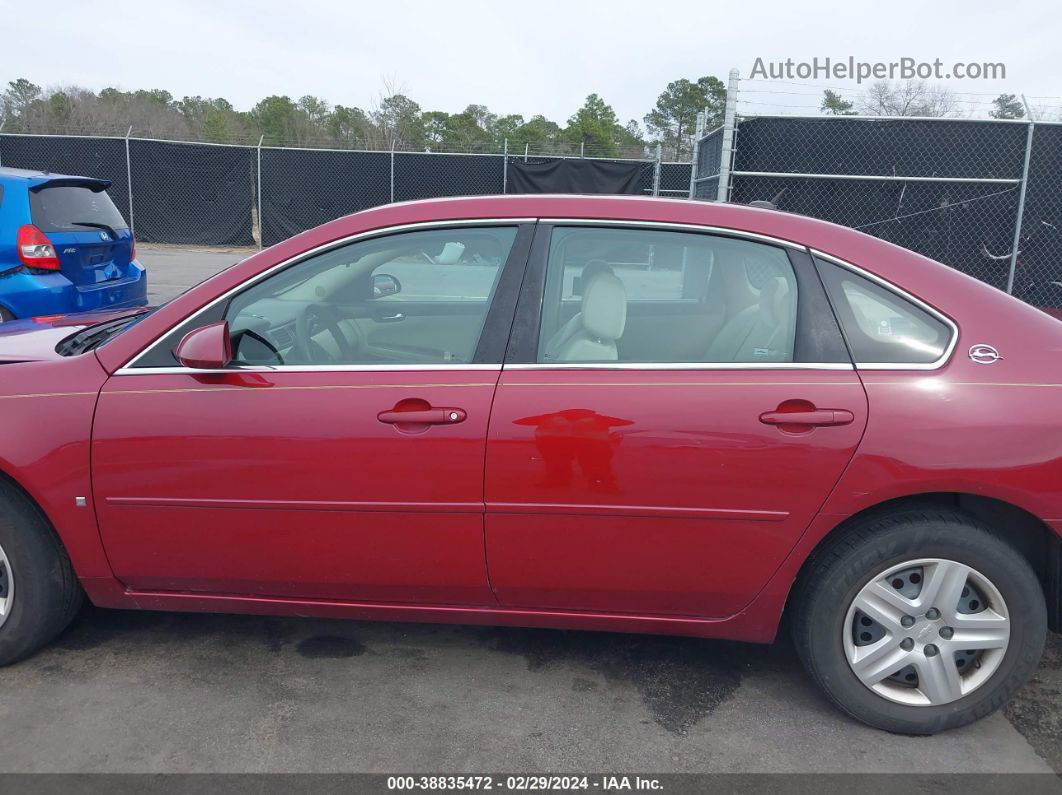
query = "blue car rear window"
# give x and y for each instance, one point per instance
(67, 208)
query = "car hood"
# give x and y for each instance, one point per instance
(34, 339)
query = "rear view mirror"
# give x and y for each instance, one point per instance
(384, 284)
(206, 348)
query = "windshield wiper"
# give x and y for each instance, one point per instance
(97, 225)
(91, 337)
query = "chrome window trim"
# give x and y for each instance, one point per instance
(900, 293)
(676, 226)
(682, 366)
(129, 367)
(313, 368)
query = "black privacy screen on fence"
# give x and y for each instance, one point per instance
(195, 194)
(198, 194)
(578, 176)
(946, 188)
(1038, 274)
(208, 194)
(953, 223)
(420, 175)
(884, 147)
(103, 158)
(302, 188)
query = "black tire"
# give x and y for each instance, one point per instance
(46, 593)
(5, 315)
(836, 574)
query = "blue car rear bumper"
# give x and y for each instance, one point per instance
(27, 294)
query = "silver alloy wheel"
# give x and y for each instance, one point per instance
(7, 587)
(926, 632)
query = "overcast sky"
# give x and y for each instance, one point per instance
(543, 56)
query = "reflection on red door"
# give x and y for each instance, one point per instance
(296, 484)
(658, 491)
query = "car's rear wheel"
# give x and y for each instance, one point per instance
(920, 621)
(39, 593)
(5, 315)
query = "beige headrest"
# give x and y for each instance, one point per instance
(604, 307)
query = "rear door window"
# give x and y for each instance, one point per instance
(654, 296)
(72, 208)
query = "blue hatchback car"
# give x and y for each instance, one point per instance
(64, 247)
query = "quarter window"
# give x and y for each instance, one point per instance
(881, 327)
(640, 295)
(409, 298)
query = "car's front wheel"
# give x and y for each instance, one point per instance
(39, 593)
(920, 621)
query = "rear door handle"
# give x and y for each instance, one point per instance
(815, 417)
(434, 416)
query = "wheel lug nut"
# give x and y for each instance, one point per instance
(932, 614)
(907, 621)
(907, 644)
(931, 650)
(946, 632)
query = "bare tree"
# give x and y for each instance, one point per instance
(907, 98)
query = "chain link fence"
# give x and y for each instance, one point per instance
(231, 195)
(983, 196)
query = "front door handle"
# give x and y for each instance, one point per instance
(432, 416)
(814, 417)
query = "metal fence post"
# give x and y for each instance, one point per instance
(2, 123)
(392, 171)
(505, 166)
(729, 120)
(526, 148)
(129, 180)
(582, 148)
(261, 226)
(1021, 207)
(656, 169)
(694, 156)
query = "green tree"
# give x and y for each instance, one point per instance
(505, 129)
(1007, 106)
(60, 108)
(398, 119)
(316, 109)
(434, 123)
(594, 128)
(215, 126)
(834, 105)
(631, 139)
(154, 96)
(20, 94)
(276, 117)
(673, 120)
(349, 126)
(537, 134)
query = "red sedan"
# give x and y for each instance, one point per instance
(595, 413)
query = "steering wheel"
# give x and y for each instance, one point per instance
(314, 319)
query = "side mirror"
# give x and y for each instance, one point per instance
(206, 348)
(384, 284)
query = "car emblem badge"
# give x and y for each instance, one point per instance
(103, 236)
(984, 354)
